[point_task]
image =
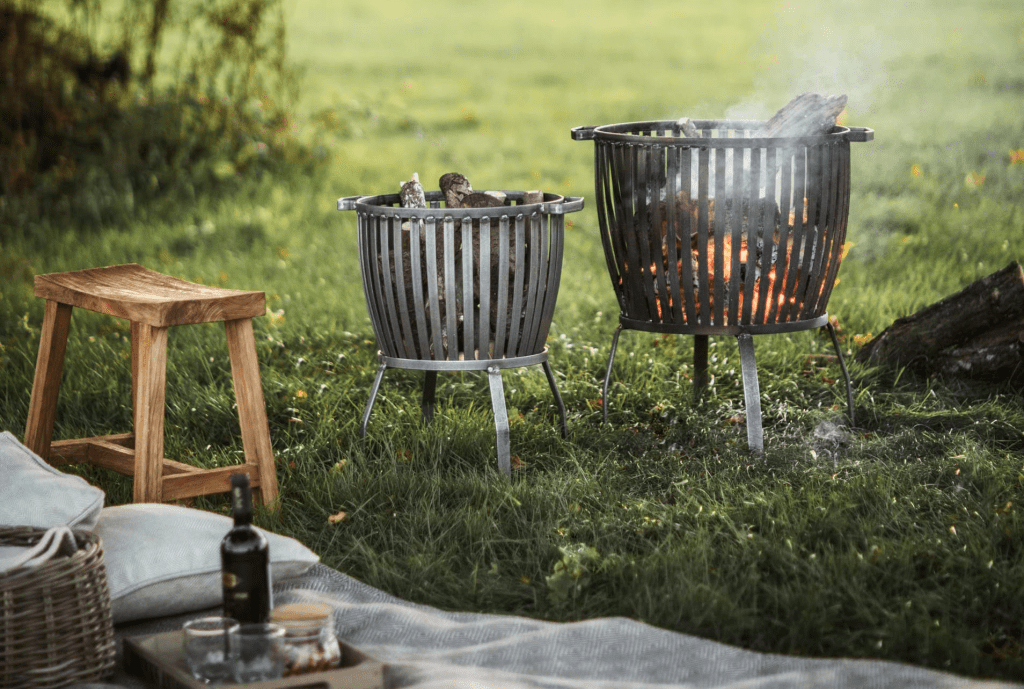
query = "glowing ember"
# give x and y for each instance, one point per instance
(739, 276)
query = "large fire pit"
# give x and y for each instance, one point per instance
(725, 233)
(462, 289)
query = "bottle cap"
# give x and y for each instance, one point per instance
(300, 612)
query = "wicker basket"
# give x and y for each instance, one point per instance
(55, 622)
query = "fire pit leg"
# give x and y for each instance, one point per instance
(500, 419)
(846, 374)
(429, 387)
(558, 398)
(373, 396)
(751, 393)
(700, 366)
(608, 373)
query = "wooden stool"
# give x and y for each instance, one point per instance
(152, 302)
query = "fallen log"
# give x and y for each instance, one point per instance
(977, 332)
(997, 355)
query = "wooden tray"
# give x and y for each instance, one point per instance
(160, 659)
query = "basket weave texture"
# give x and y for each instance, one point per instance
(55, 628)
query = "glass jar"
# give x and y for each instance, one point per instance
(310, 642)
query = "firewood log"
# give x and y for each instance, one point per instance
(412, 194)
(688, 128)
(996, 355)
(454, 186)
(482, 199)
(809, 114)
(980, 326)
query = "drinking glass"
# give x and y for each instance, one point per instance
(259, 652)
(208, 650)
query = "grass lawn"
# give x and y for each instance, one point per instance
(898, 539)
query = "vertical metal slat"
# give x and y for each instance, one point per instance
(789, 309)
(767, 235)
(399, 243)
(840, 215)
(822, 230)
(485, 289)
(720, 228)
(702, 236)
(754, 191)
(689, 284)
(782, 261)
(383, 337)
(658, 234)
(673, 248)
(501, 306)
(556, 233)
(516, 317)
(534, 285)
(468, 295)
(736, 221)
(432, 293)
(607, 220)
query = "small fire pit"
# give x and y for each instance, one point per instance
(462, 289)
(710, 227)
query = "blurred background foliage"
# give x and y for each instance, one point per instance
(107, 106)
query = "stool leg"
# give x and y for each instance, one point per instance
(53, 340)
(135, 331)
(149, 370)
(252, 410)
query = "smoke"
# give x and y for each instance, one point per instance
(846, 48)
(830, 438)
(839, 48)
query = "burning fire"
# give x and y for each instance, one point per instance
(782, 284)
(726, 277)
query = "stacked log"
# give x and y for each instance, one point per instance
(977, 333)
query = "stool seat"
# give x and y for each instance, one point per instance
(141, 295)
(152, 302)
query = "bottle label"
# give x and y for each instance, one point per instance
(248, 596)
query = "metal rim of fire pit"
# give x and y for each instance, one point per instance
(415, 262)
(640, 166)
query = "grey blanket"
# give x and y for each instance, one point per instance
(427, 648)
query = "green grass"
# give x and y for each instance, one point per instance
(899, 539)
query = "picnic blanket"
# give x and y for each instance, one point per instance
(427, 648)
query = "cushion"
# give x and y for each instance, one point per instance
(165, 559)
(33, 493)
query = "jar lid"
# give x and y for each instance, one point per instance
(300, 612)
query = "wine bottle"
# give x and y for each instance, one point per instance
(245, 561)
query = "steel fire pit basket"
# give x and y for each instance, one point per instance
(462, 289)
(728, 233)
